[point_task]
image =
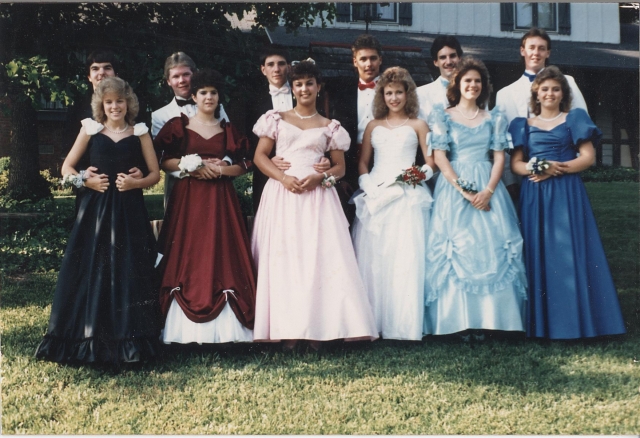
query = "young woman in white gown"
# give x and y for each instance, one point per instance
(389, 232)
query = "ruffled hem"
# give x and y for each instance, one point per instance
(96, 350)
(513, 277)
(374, 221)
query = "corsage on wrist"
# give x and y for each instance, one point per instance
(415, 175)
(467, 186)
(536, 167)
(328, 181)
(73, 180)
(189, 163)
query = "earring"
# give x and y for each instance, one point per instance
(318, 95)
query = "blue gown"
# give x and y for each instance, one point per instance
(475, 267)
(571, 291)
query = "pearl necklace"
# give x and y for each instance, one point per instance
(465, 116)
(206, 124)
(395, 126)
(126, 126)
(551, 119)
(304, 117)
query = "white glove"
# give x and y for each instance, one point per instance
(428, 171)
(368, 185)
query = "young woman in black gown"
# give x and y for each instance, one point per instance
(105, 307)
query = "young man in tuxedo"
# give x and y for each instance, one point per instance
(445, 53)
(178, 69)
(350, 102)
(513, 100)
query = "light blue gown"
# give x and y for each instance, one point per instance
(475, 270)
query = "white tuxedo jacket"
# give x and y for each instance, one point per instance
(513, 100)
(171, 110)
(430, 95)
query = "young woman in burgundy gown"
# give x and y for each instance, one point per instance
(207, 294)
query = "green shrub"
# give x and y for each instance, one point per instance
(610, 174)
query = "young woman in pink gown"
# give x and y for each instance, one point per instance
(308, 285)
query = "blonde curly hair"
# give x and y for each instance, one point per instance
(120, 88)
(396, 75)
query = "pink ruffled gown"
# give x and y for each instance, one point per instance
(309, 286)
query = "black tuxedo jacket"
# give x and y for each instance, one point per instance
(343, 106)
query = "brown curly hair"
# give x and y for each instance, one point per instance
(120, 88)
(552, 72)
(395, 75)
(465, 65)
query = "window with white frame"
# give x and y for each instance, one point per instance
(520, 17)
(400, 13)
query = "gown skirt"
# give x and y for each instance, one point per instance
(572, 294)
(105, 307)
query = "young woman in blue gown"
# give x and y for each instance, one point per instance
(571, 291)
(475, 269)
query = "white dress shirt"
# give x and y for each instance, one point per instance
(171, 110)
(432, 94)
(282, 101)
(365, 108)
(513, 100)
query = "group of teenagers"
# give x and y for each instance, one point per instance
(342, 247)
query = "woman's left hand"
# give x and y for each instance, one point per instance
(311, 182)
(125, 182)
(481, 200)
(539, 177)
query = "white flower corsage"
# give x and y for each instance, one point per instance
(536, 167)
(71, 180)
(328, 181)
(467, 186)
(189, 163)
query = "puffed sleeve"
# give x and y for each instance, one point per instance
(339, 139)
(267, 125)
(140, 129)
(91, 126)
(437, 121)
(582, 128)
(169, 141)
(518, 131)
(500, 137)
(237, 146)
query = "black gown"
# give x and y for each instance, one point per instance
(105, 307)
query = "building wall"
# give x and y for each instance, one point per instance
(590, 22)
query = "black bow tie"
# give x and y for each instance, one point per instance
(183, 102)
(530, 76)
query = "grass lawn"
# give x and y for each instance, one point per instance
(439, 386)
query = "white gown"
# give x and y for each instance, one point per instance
(389, 237)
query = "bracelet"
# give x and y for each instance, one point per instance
(490, 191)
(219, 171)
(284, 175)
(325, 175)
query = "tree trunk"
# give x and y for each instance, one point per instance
(25, 181)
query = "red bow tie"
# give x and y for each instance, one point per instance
(362, 86)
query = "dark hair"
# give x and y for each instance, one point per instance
(273, 51)
(305, 69)
(532, 33)
(396, 75)
(366, 41)
(445, 41)
(552, 72)
(122, 89)
(464, 66)
(100, 56)
(208, 78)
(177, 59)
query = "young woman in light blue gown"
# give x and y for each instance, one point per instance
(475, 268)
(390, 228)
(571, 291)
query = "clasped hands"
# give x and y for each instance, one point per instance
(295, 185)
(556, 168)
(100, 181)
(211, 169)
